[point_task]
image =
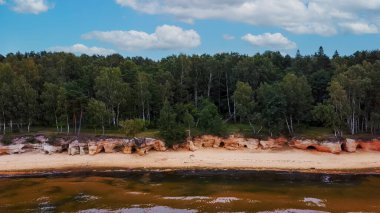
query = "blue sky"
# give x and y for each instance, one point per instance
(158, 28)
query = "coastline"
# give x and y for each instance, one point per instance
(288, 160)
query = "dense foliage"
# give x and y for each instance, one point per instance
(274, 94)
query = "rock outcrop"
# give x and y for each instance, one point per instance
(77, 148)
(208, 141)
(143, 146)
(188, 145)
(272, 143)
(94, 147)
(232, 143)
(350, 145)
(322, 146)
(50, 149)
(372, 145)
(12, 149)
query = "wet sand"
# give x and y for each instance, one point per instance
(290, 159)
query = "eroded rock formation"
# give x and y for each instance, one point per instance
(207, 141)
(12, 149)
(81, 146)
(350, 145)
(273, 143)
(50, 149)
(322, 146)
(232, 142)
(370, 145)
(142, 146)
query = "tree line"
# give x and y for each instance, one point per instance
(274, 94)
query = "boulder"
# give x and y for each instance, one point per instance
(129, 147)
(50, 149)
(110, 145)
(64, 143)
(324, 146)
(12, 149)
(83, 150)
(3, 150)
(157, 145)
(94, 147)
(148, 144)
(188, 145)
(231, 143)
(41, 138)
(373, 145)
(29, 147)
(329, 146)
(75, 148)
(21, 140)
(142, 146)
(208, 141)
(272, 143)
(350, 145)
(250, 143)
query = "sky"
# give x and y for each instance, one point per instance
(158, 28)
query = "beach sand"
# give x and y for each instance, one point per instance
(289, 159)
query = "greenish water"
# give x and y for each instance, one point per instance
(190, 191)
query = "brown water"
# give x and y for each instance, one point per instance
(186, 191)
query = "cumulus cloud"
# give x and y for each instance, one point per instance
(165, 37)
(323, 17)
(274, 41)
(359, 27)
(228, 37)
(30, 6)
(83, 49)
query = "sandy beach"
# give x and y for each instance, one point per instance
(290, 159)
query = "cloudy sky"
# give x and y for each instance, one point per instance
(157, 28)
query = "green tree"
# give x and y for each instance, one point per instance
(188, 120)
(24, 102)
(298, 99)
(54, 102)
(271, 104)
(245, 105)
(132, 127)
(209, 119)
(355, 82)
(97, 113)
(112, 91)
(170, 130)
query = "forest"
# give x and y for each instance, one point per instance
(271, 93)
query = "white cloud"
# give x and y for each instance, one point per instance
(165, 37)
(274, 41)
(2, 2)
(323, 17)
(30, 6)
(360, 28)
(228, 37)
(83, 49)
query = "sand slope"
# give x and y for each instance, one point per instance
(291, 159)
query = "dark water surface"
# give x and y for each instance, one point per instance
(190, 191)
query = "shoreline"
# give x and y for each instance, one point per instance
(285, 160)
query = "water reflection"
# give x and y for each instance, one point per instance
(190, 191)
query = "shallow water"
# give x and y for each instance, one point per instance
(190, 191)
